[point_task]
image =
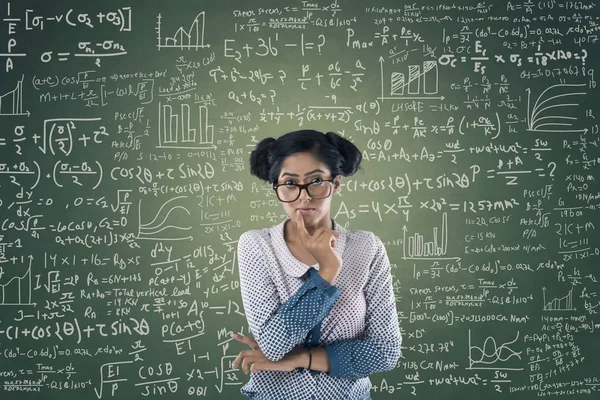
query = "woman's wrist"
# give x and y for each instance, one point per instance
(301, 357)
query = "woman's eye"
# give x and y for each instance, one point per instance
(293, 183)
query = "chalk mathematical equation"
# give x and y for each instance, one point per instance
(125, 185)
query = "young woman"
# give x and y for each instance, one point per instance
(318, 297)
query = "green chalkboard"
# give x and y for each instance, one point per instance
(126, 131)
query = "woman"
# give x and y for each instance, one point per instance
(318, 297)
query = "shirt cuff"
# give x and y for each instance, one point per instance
(322, 283)
(334, 361)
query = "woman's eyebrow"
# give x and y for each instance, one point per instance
(306, 174)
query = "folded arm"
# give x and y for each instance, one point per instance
(277, 327)
(380, 349)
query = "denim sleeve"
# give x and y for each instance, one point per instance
(278, 327)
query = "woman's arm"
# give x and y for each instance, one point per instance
(277, 327)
(320, 359)
(380, 349)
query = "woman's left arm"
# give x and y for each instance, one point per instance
(380, 350)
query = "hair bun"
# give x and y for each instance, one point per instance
(260, 158)
(351, 155)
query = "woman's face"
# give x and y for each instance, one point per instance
(304, 168)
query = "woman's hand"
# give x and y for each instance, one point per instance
(320, 244)
(258, 361)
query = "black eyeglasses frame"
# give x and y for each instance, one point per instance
(302, 186)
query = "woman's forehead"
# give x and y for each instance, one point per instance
(302, 163)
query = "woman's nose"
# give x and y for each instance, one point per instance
(304, 194)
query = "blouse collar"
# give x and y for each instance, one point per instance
(289, 263)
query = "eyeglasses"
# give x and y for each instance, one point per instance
(288, 193)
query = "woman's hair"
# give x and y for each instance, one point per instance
(340, 155)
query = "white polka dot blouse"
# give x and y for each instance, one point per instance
(288, 304)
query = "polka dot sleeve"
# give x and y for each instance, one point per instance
(380, 350)
(276, 327)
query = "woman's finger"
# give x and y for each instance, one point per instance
(239, 358)
(302, 232)
(245, 357)
(327, 236)
(257, 366)
(320, 235)
(245, 339)
(245, 365)
(316, 236)
(248, 362)
(337, 235)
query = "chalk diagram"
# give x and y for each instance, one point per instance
(170, 222)
(16, 290)
(11, 102)
(188, 129)
(564, 303)
(553, 101)
(408, 84)
(191, 38)
(492, 355)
